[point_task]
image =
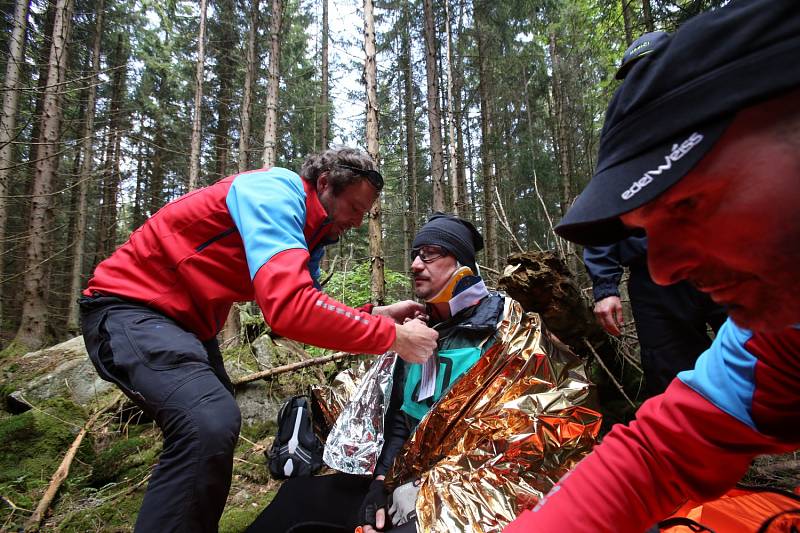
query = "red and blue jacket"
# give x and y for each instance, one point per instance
(257, 235)
(695, 441)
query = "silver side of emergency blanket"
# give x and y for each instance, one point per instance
(356, 439)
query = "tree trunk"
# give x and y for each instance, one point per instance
(434, 112)
(194, 158)
(225, 76)
(43, 58)
(249, 82)
(156, 188)
(456, 198)
(627, 19)
(85, 176)
(560, 118)
(411, 145)
(271, 124)
(142, 171)
(8, 121)
(378, 286)
(647, 15)
(34, 307)
(458, 84)
(487, 138)
(111, 179)
(323, 96)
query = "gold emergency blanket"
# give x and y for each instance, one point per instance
(502, 436)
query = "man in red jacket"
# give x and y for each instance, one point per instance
(701, 150)
(151, 313)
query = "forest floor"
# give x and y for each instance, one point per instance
(107, 479)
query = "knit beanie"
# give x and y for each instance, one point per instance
(458, 236)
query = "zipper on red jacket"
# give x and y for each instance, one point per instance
(214, 239)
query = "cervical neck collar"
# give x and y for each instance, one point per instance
(462, 290)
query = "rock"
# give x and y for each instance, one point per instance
(68, 373)
(257, 403)
(264, 352)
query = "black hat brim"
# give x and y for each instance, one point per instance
(593, 219)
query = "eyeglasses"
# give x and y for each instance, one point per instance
(428, 254)
(373, 176)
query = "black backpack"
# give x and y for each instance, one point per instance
(296, 450)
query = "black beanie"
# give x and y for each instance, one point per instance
(454, 234)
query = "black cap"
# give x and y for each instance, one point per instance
(456, 235)
(641, 47)
(677, 101)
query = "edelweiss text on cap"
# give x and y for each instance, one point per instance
(677, 153)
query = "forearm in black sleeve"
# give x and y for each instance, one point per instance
(397, 428)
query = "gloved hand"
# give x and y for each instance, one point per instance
(374, 501)
(403, 504)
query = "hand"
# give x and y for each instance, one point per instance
(609, 314)
(404, 503)
(400, 311)
(415, 342)
(372, 513)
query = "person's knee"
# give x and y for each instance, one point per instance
(217, 423)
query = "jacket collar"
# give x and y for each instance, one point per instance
(482, 316)
(317, 219)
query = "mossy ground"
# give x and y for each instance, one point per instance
(109, 475)
(31, 447)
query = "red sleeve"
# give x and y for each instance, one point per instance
(680, 446)
(293, 308)
(366, 308)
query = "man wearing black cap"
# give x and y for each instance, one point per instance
(466, 316)
(671, 321)
(701, 150)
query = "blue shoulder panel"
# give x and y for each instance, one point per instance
(725, 373)
(269, 210)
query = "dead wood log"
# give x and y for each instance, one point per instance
(541, 283)
(264, 374)
(62, 471)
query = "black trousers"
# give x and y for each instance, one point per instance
(672, 325)
(319, 504)
(316, 504)
(181, 383)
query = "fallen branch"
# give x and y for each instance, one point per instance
(293, 366)
(610, 375)
(299, 353)
(62, 472)
(14, 507)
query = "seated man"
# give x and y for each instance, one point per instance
(443, 250)
(471, 322)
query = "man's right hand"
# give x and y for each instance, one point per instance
(609, 314)
(415, 342)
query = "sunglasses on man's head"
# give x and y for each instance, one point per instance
(373, 176)
(428, 254)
